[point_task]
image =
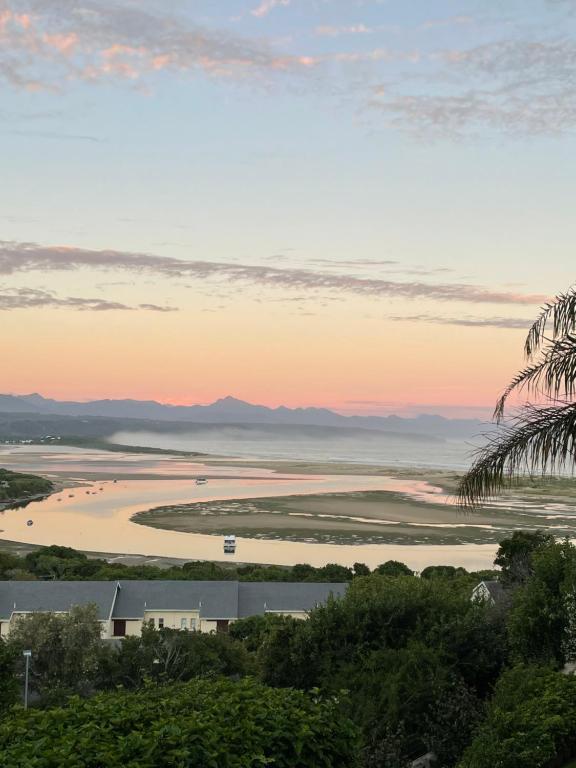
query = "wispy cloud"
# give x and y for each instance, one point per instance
(468, 322)
(27, 257)
(56, 42)
(350, 29)
(450, 21)
(33, 298)
(157, 308)
(51, 135)
(514, 86)
(266, 6)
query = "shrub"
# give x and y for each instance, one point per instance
(530, 722)
(202, 724)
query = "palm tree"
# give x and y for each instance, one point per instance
(539, 437)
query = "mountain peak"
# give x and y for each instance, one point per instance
(229, 400)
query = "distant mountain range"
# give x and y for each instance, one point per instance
(230, 410)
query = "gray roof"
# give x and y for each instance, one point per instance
(55, 596)
(257, 597)
(214, 599)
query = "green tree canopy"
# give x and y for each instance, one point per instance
(65, 649)
(530, 722)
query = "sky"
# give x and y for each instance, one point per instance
(357, 204)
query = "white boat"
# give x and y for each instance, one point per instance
(230, 544)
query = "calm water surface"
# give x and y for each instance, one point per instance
(97, 515)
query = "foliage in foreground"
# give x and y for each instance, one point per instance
(211, 724)
(530, 722)
(417, 656)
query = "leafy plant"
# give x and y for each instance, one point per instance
(202, 724)
(530, 721)
(541, 437)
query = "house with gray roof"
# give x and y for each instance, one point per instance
(124, 606)
(489, 592)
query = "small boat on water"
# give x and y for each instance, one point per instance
(230, 544)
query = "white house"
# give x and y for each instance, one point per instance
(123, 606)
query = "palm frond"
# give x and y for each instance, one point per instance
(553, 376)
(541, 440)
(562, 312)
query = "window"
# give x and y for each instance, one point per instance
(183, 623)
(160, 623)
(193, 625)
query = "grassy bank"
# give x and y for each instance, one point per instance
(16, 486)
(371, 517)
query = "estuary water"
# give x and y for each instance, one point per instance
(102, 491)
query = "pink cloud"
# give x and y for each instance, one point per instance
(47, 48)
(266, 6)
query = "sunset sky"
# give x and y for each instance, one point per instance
(353, 204)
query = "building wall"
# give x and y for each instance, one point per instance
(174, 619)
(293, 614)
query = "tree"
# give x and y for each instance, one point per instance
(8, 564)
(404, 648)
(538, 621)
(393, 568)
(9, 685)
(442, 572)
(530, 721)
(541, 437)
(514, 555)
(56, 562)
(255, 631)
(64, 650)
(169, 655)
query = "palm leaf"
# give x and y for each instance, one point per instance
(562, 312)
(540, 440)
(553, 376)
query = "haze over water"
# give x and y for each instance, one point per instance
(367, 448)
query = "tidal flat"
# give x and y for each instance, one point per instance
(425, 516)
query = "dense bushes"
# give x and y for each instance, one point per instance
(203, 724)
(168, 655)
(530, 722)
(65, 650)
(401, 646)
(423, 665)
